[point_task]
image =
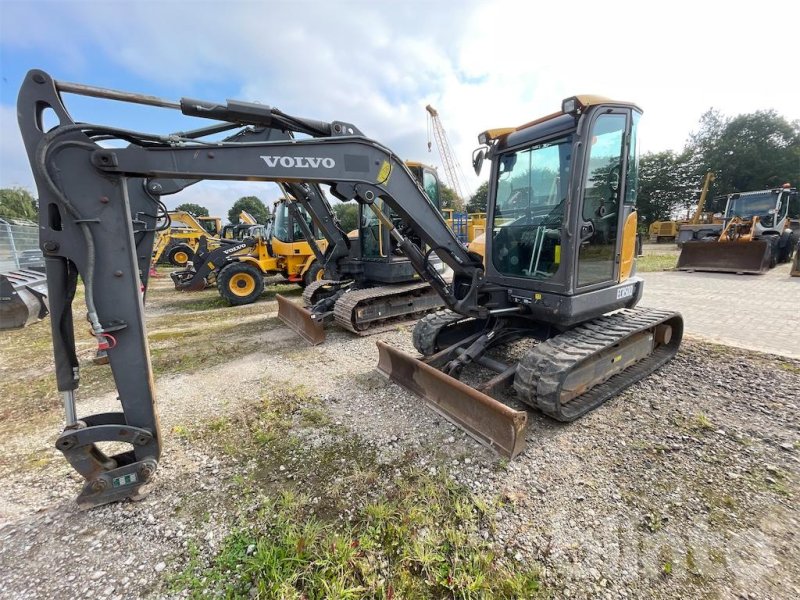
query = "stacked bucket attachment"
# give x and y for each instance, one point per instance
(23, 298)
(564, 376)
(752, 256)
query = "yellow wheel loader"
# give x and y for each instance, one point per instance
(180, 242)
(248, 252)
(757, 234)
(559, 277)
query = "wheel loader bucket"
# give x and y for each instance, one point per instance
(299, 319)
(490, 422)
(23, 298)
(726, 257)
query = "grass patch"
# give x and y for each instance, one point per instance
(702, 423)
(332, 522)
(656, 262)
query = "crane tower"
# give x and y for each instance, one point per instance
(453, 172)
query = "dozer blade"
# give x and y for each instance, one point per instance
(492, 423)
(299, 319)
(23, 298)
(726, 257)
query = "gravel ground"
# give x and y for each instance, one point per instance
(684, 486)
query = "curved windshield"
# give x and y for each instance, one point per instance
(529, 209)
(748, 206)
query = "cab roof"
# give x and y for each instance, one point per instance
(583, 101)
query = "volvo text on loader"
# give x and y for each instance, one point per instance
(560, 258)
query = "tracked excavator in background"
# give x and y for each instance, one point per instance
(559, 260)
(371, 287)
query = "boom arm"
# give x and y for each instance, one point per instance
(91, 199)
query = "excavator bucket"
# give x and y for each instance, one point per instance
(490, 422)
(299, 319)
(727, 257)
(23, 298)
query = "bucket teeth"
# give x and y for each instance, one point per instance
(490, 422)
(299, 320)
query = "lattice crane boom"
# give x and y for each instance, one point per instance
(453, 172)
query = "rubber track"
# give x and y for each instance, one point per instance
(429, 327)
(310, 290)
(543, 370)
(345, 308)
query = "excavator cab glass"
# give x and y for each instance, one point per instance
(529, 210)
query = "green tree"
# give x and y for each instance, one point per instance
(749, 152)
(447, 197)
(347, 214)
(18, 203)
(478, 201)
(251, 204)
(193, 209)
(667, 183)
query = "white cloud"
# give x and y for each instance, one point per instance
(482, 64)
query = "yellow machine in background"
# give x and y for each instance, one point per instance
(181, 240)
(249, 252)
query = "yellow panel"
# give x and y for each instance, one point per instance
(628, 250)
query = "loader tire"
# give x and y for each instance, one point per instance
(240, 283)
(315, 272)
(179, 255)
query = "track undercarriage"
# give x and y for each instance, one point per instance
(565, 375)
(360, 310)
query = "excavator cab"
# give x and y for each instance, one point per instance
(562, 211)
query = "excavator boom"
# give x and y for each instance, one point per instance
(98, 221)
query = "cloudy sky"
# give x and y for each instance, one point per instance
(377, 64)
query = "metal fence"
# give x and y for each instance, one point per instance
(19, 245)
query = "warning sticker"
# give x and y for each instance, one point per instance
(385, 172)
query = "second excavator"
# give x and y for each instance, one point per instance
(559, 276)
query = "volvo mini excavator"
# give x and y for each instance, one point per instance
(371, 286)
(559, 274)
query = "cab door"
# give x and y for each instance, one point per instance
(599, 220)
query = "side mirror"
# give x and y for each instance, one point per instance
(477, 159)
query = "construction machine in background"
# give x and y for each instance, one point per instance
(566, 181)
(375, 284)
(680, 231)
(180, 242)
(23, 284)
(249, 252)
(758, 232)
